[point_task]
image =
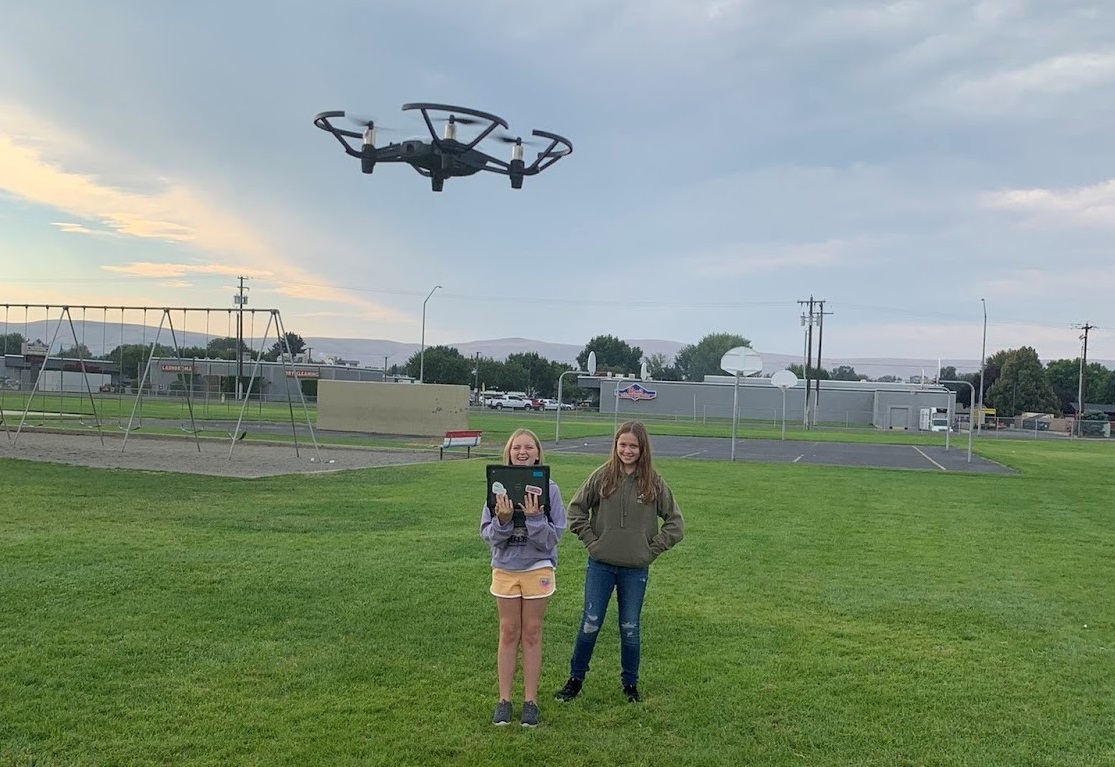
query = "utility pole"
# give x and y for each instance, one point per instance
(240, 299)
(807, 321)
(982, 362)
(1083, 366)
(820, 340)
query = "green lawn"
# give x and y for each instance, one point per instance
(812, 616)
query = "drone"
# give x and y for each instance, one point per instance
(447, 156)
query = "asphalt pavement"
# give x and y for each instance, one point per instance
(920, 457)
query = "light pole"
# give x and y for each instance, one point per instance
(971, 425)
(591, 371)
(557, 422)
(982, 361)
(422, 354)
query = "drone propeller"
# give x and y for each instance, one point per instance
(507, 138)
(367, 122)
(459, 120)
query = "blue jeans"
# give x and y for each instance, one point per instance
(630, 585)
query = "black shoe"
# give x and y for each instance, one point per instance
(632, 693)
(571, 690)
(502, 715)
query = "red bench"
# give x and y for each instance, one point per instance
(467, 439)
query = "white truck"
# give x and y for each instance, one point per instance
(510, 401)
(934, 419)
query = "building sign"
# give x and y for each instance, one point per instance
(303, 373)
(34, 348)
(177, 367)
(636, 392)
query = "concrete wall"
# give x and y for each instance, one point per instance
(389, 408)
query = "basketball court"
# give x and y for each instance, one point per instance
(855, 454)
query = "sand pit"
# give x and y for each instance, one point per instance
(180, 454)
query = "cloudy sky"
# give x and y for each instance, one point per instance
(900, 160)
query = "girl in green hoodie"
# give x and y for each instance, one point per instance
(616, 513)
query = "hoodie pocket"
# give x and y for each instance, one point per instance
(623, 547)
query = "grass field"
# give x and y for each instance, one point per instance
(812, 616)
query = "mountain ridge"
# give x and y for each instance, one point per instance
(375, 352)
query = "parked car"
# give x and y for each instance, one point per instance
(552, 404)
(511, 402)
(490, 396)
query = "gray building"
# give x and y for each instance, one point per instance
(273, 379)
(840, 403)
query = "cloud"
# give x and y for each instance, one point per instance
(172, 214)
(1023, 87)
(74, 228)
(737, 260)
(1092, 205)
(947, 340)
(153, 270)
(35, 161)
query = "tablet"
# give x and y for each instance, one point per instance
(516, 482)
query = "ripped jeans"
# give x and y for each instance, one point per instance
(630, 585)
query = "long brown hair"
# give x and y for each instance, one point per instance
(644, 467)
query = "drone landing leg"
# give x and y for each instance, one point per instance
(437, 183)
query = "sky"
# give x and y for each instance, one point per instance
(910, 163)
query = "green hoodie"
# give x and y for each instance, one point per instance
(621, 530)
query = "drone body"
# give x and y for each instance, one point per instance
(445, 157)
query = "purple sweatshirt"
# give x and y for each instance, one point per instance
(525, 543)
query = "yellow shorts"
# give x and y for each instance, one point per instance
(529, 584)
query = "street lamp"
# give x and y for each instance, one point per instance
(422, 354)
(971, 425)
(982, 360)
(591, 371)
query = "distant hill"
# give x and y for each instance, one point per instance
(369, 352)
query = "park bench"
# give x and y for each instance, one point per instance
(467, 439)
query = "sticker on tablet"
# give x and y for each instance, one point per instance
(533, 490)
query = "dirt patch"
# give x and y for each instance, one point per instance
(182, 455)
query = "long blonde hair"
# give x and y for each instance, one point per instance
(644, 467)
(521, 433)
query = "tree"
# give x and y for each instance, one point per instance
(991, 371)
(1021, 385)
(78, 352)
(814, 373)
(889, 379)
(1064, 377)
(612, 355)
(533, 372)
(11, 343)
(694, 362)
(846, 373)
(224, 348)
(947, 373)
(444, 365)
(133, 358)
(661, 370)
(278, 349)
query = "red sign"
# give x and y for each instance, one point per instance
(636, 392)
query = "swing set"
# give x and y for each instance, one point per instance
(41, 355)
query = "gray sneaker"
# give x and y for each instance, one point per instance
(529, 716)
(502, 715)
